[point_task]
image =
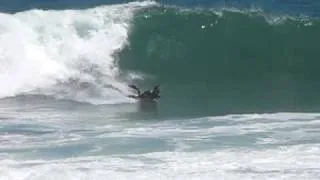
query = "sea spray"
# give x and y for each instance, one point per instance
(65, 53)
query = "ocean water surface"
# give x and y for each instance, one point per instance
(239, 89)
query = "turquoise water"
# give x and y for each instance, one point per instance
(239, 93)
(226, 61)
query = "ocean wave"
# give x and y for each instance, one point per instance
(226, 60)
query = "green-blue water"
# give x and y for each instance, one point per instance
(227, 61)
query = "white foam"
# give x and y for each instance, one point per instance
(282, 146)
(68, 54)
(297, 162)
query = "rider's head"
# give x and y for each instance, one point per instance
(156, 89)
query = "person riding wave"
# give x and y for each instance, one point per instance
(146, 95)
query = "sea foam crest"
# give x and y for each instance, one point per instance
(65, 53)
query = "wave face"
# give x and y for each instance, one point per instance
(66, 54)
(229, 61)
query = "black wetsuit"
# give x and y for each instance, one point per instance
(147, 95)
(150, 95)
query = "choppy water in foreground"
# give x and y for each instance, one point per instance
(68, 140)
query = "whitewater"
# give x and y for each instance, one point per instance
(65, 114)
(59, 52)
